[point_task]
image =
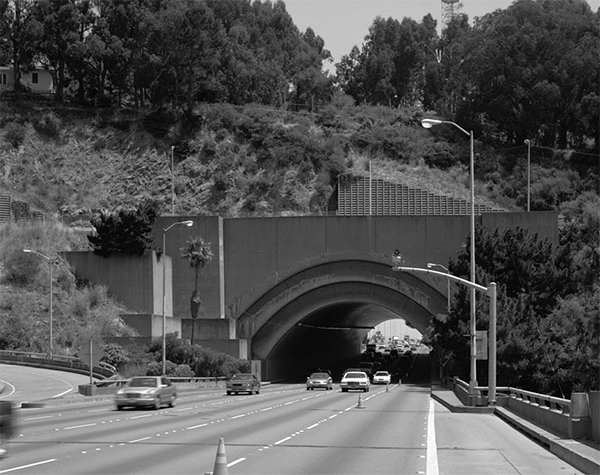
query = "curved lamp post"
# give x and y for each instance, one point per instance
(428, 123)
(30, 251)
(429, 266)
(164, 296)
(491, 292)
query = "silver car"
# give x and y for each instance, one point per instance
(153, 391)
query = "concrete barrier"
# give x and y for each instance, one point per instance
(595, 415)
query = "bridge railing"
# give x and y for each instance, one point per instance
(574, 418)
(63, 363)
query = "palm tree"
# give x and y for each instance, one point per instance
(198, 253)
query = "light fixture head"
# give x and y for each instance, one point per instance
(429, 123)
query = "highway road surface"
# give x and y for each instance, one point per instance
(285, 429)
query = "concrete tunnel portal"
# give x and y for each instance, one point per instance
(323, 325)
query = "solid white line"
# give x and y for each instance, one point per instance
(237, 417)
(138, 440)
(41, 417)
(139, 417)
(313, 426)
(235, 462)
(201, 425)
(27, 466)
(282, 441)
(5, 392)
(432, 460)
(79, 427)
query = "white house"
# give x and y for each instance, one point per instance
(39, 80)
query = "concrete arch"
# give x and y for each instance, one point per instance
(321, 314)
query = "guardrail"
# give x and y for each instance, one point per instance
(574, 418)
(59, 362)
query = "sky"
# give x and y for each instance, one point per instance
(344, 23)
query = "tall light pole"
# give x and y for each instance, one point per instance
(370, 190)
(164, 296)
(528, 142)
(428, 123)
(429, 266)
(50, 338)
(172, 180)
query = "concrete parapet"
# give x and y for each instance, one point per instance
(595, 415)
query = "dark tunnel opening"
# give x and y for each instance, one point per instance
(331, 338)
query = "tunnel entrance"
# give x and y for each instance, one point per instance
(323, 327)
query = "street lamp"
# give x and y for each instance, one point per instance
(164, 296)
(428, 123)
(491, 292)
(528, 142)
(30, 251)
(429, 266)
(172, 180)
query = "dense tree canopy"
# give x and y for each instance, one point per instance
(548, 331)
(167, 52)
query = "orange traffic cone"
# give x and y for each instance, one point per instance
(221, 460)
(360, 403)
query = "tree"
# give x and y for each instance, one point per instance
(540, 310)
(124, 230)
(198, 253)
(60, 20)
(20, 33)
(532, 69)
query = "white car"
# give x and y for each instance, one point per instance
(146, 391)
(355, 380)
(382, 377)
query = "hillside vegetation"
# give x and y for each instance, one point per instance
(254, 126)
(228, 161)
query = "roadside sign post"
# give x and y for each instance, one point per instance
(91, 356)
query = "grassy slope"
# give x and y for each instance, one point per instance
(106, 158)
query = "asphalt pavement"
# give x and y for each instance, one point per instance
(584, 455)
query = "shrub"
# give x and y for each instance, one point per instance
(48, 125)
(14, 134)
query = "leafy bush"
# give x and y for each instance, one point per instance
(48, 125)
(14, 134)
(124, 230)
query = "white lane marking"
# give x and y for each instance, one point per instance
(237, 417)
(67, 391)
(432, 460)
(139, 417)
(138, 440)
(313, 426)
(63, 393)
(6, 393)
(282, 441)
(79, 427)
(40, 417)
(27, 466)
(231, 464)
(195, 427)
